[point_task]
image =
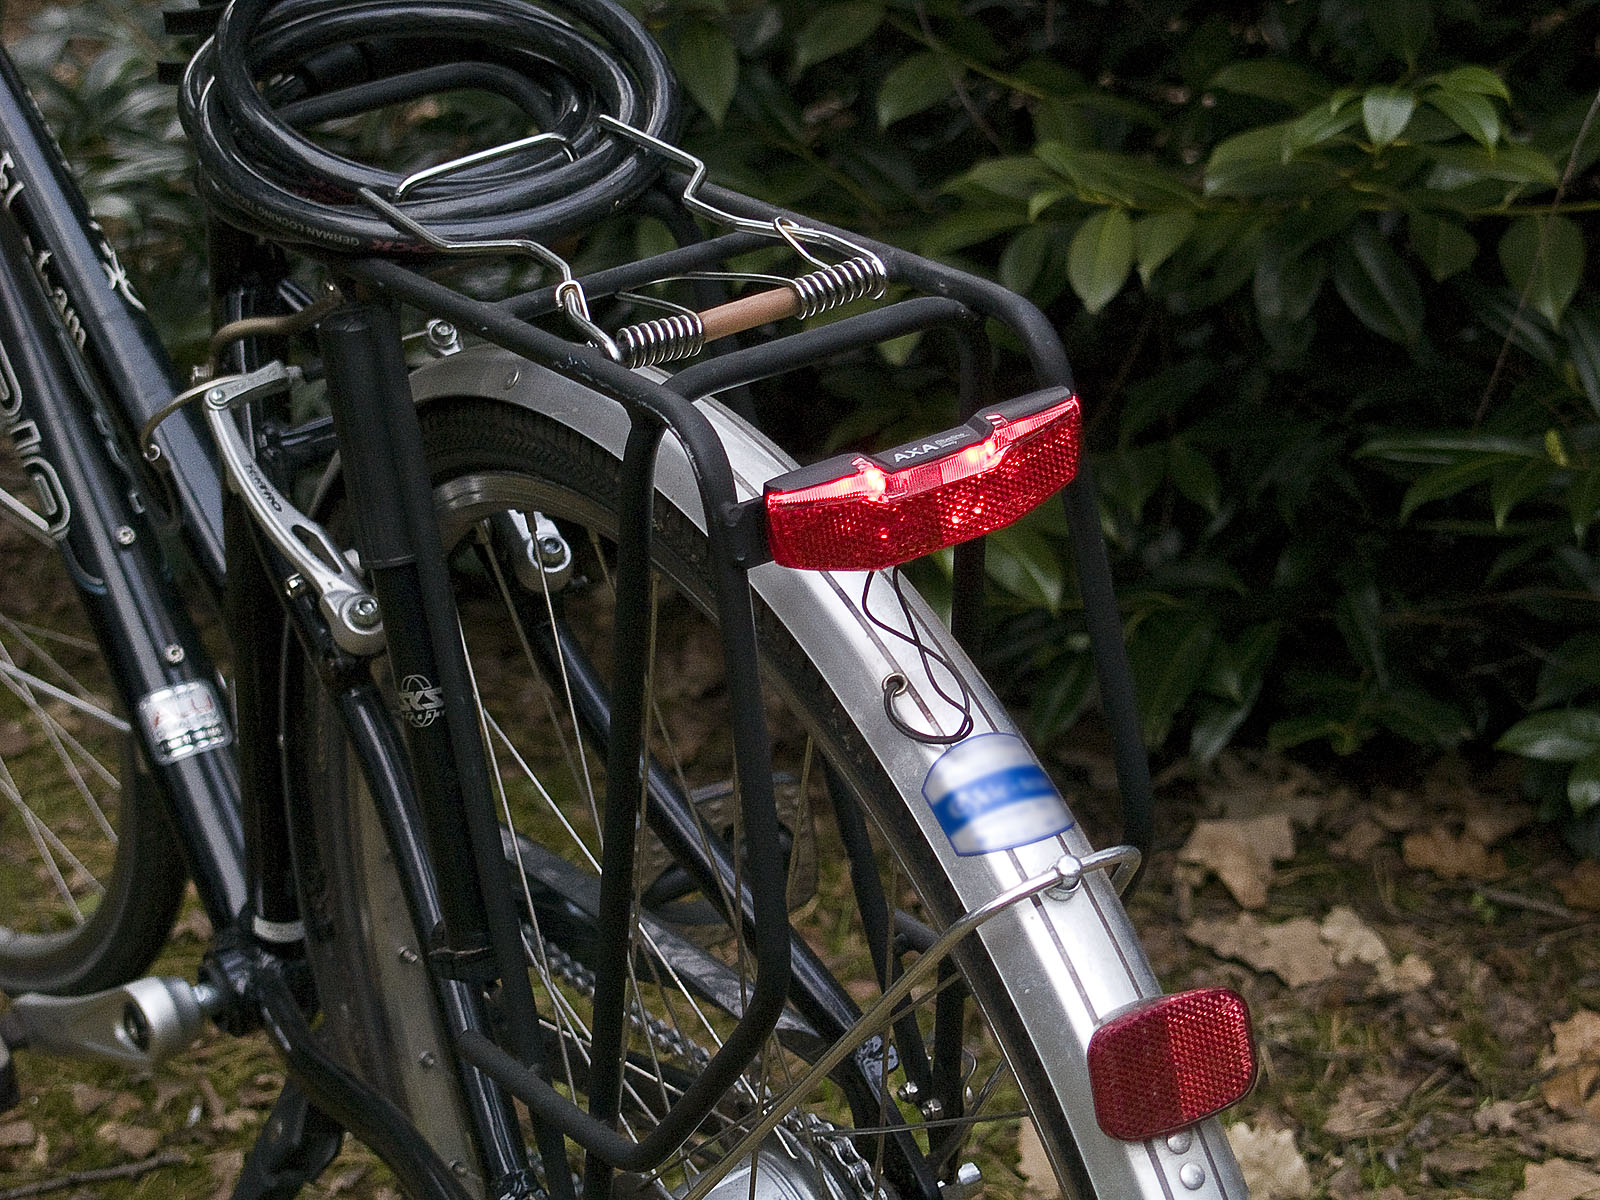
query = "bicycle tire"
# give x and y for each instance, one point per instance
(90, 873)
(475, 445)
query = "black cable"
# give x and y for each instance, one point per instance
(274, 66)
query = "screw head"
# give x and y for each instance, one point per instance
(294, 585)
(173, 654)
(364, 612)
(428, 1059)
(552, 550)
(125, 535)
(215, 396)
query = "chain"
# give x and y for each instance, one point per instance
(667, 1039)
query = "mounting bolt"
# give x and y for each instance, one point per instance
(458, 1167)
(931, 1109)
(908, 1091)
(294, 585)
(173, 654)
(126, 536)
(408, 955)
(364, 613)
(428, 1059)
(552, 551)
(965, 1185)
(216, 396)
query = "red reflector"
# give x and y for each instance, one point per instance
(870, 516)
(1170, 1063)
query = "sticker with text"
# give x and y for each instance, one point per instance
(990, 794)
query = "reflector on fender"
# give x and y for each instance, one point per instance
(1171, 1062)
(864, 513)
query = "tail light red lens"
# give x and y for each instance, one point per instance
(1171, 1062)
(864, 513)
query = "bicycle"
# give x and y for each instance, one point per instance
(472, 821)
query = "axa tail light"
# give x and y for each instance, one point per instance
(866, 512)
(1171, 1062)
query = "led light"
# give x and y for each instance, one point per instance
(1171, 1062)
(869, 516)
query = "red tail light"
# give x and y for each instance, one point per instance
(864, 513)
(1170, 1063)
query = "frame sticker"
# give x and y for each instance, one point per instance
(989, 793)
(182, 721)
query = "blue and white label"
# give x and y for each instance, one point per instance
(990, 794)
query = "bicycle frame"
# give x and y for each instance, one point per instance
(81, 372)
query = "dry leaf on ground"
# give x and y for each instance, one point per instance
(1273, 1168)
(225, 1168)
(86, 1097)
(1453, 857)
(1241, 852)
(1558, 1179)
(1271, 785)
(1581, 889)
(16, 1134)
(1572, 1065)
(1489, 823)
(1359, 841)
(1293, 950)
(1579, 1138)
(132, 1140)
(1367, 1105)
(1301, 951)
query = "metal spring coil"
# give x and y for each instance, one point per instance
(662, 340)
(838, 285)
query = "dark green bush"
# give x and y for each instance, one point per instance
(1322, 268)
(1324, 272)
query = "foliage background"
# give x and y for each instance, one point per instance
(1324, 270)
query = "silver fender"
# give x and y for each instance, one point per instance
(1085, 961)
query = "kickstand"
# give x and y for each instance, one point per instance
(294, 1147)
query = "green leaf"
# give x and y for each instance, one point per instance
(1238, 667)
(1543, 259)
(1016, 177)
(1062, 695)
(1026, 565)
(708, 67)
(1215, 723)
(1034, 263)
(1258, 162)
(916, 84)
(1583, 499)
(1100, 177)
(1583, 785)
(1444, 247)
(1565, 735)
(834, 29)
(1100, 257)
(1155, 238)
(969, 226)
(1167, 656)
(1583, 345)
(1421, 718)
(1378, 286)
(1509, 488)
(1386, 111)
(1358, 613)
(1509, 162)
(1285, 289)
(1273, 79)
(1342, 733)
(1475, 115)
(1570, 669)
(1445, 482)
(1437, 447)
(1321, 124)
(1194, 476)
(1474, 80)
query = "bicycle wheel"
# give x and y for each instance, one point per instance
(90, 876)
(956, 1077)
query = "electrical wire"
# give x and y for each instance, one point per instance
(274, 67)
